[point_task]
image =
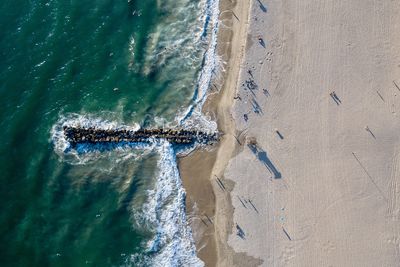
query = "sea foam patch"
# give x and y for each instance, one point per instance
(173, 242)
(193, 116)
(83, 154)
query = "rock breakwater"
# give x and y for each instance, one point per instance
(79, 135)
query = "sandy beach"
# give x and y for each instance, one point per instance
(204, 195)
(308, 168)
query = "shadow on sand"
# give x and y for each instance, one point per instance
(263, 157)
(262, 6)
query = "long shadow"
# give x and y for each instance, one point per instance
(279, 134)
(240, 232)
(254, 207)
(262, 42)
(256, 107)
(262, 6)
(266, 92)
(263, 157)
(336, 98)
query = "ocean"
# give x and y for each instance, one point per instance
(109, 64)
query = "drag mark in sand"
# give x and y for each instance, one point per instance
(369, 130)
(380, 96)
(395, 84)
(286, 233)
(370, 177)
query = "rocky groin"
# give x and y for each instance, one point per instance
(80, 135)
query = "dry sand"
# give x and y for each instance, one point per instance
(337, 200)
(327, 192)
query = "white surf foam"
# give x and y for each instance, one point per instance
(173, 243)
(81, 155)
(193, 116)
(164, 211)
(180, 42)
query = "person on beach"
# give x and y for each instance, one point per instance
(261, 41)
(334, 97)
(237, 97)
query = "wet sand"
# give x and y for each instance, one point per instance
(200, 202)
(200, 169)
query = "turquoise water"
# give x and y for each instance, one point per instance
(105, 63)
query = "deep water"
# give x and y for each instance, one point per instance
(109, 63)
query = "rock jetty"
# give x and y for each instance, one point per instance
(79, 135)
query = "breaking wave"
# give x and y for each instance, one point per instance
(193, 117)
(164, 211)
(81, 154)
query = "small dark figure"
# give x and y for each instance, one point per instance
(335, 98)
(261, 41)
(287, 234)
(262, 7)
(369, 130)
(240, 232)
(237, 97)
(279, 134)
(246, 118)
(235, 16)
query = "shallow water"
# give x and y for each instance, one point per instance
(108, 63)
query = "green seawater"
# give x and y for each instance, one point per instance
(130, 62)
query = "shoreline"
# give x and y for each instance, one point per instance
(209, 210)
